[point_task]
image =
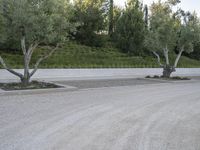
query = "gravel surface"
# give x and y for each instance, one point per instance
(141, 117)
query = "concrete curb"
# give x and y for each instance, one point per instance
(38, 91)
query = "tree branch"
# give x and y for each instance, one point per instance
(23, 45)
(41, 59)
(31, 50)
(10, 70)
(158, 58)
(178, 57)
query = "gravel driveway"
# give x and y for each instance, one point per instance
(135, 117)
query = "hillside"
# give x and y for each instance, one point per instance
(73, 55)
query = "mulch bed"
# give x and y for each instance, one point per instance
(176, 78)
(32, 85)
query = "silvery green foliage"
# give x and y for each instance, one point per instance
(42, 21)
(188, 32)
(162, 31)
(169, 29)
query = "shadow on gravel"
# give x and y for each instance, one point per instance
(85, 84)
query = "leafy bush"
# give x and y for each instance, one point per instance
(130, 29)
(91, 21)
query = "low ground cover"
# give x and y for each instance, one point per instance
(74, 55)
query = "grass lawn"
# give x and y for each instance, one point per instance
(73, 55)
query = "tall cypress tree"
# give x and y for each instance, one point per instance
(111, 18)
(146, 15)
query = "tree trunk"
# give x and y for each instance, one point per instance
(167, 71)
(26, 69)
(26, 77)
(146, 15)
(25, 81)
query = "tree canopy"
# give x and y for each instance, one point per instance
(40, 21)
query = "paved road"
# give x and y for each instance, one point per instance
(138, 117)
(106, 73)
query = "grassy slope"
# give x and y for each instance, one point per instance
(79, 56)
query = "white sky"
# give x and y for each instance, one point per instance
(190, 5)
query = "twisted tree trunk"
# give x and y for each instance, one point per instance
(167, 71)
(167, 68)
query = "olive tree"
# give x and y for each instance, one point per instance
(111, 16)
(168, 31)
(31, 23)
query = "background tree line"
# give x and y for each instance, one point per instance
(97, 22)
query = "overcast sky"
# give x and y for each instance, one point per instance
(190, 5)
